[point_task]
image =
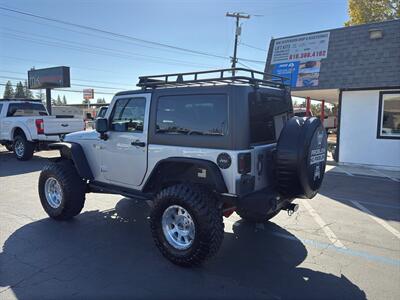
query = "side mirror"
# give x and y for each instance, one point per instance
(89, 116)
(102, 127)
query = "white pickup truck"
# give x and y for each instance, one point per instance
(25, 126)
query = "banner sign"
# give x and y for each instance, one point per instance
(288, 70)
(88, 94)
(301, 48)
(304, 74)
(56, 77)
(308, 74)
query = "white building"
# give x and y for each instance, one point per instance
(357, 68)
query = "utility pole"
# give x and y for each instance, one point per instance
(238, 16)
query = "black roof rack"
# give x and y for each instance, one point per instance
(21, 99)
(220, 76)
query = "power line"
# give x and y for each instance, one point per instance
(253, 47)
(124, 36)
(47, 63)
(252, 60)
(63, 43)
(74, 84)
(100, 51)
(75, 79)
(99, 36)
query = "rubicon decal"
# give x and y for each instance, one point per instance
(317, 156)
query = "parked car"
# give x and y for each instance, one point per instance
(301, 112)
(25, 126)
(200, 149)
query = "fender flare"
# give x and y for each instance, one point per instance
(162, 173)
(74, 152)
(24, 129)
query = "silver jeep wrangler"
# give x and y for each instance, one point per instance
(200, 145)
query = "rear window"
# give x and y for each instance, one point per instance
(192, 115)
(268, 114)
(26, 109)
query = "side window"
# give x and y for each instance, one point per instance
(192, 115)
(1, 106)
(128, 115)
(389, 115)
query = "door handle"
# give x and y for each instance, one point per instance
(138, 143)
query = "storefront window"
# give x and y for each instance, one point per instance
(389, 115)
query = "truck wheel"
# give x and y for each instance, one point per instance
(61, 190)
(9, 147)
(186, 224)
(255, 218)
(23, 149)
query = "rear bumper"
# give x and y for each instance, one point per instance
(263, 202)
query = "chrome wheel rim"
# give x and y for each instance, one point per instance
(53, 192)
(178, 227)
(19, 148)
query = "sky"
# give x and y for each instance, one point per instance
(108, 63)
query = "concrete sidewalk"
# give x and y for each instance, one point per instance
(353, 170)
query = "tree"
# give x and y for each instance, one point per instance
(27, 91)
(64, 100)
(101, 101)
(58, 101)
(368, 11)
(40, 95)
(19, 91)
(8, 90)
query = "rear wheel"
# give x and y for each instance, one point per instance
(61, 190)
(23, 149)
(186, 224)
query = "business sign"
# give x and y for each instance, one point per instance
(88, 94)
(288, 70)
(56, 77)
(301, 48)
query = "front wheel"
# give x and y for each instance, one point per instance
(61, 190)
(186, 224)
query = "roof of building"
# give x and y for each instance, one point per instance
(354, 60)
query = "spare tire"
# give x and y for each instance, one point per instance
(301, 157)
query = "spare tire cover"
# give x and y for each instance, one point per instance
(301, 157)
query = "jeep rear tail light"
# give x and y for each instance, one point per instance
(39, 126)
(244, 163)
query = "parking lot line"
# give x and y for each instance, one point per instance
(345, 171)
(328, 232)
(386, 176)
(361, 254)
(340, 198)
(377, 219)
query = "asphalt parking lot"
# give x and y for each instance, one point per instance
(343, 244)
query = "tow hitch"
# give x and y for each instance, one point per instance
(291, 208)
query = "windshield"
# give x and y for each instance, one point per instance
(26, 109)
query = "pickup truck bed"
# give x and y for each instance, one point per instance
(27, 123)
